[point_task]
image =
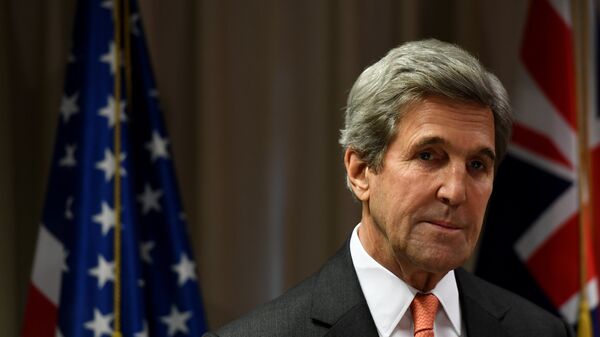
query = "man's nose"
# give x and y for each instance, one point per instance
(452, 190)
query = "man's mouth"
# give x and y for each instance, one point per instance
(449, 225)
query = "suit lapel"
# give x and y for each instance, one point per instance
(357, 322)
(479, 322)
(337, 299)
(481, 316)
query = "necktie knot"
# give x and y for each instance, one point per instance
(423, 309)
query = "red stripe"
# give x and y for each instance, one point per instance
(595, 200)
(538, 143)
(40, 315)
(547, 52)
(555, 264)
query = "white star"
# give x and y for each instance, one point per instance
(149, 199)
(100, 324)
(158, 146)
(68, 106)
(184, 269)
(110, 57)
(176, 321)
(108, 4)
(104, 271)
(71, 58)
(108, 165)
(145, 249)
(144, 332)
(153, 93)
(134, 19)
(106, 218)
(69, 159)
(110, 111)
(68, 212)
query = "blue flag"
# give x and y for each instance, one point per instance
(72, 288)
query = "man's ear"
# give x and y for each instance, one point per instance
(356, 170)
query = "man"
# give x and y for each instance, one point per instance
(425, 130)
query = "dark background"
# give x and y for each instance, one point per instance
(253, 93)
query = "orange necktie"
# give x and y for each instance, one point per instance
(423, 309)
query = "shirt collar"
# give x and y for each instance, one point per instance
(389, 298)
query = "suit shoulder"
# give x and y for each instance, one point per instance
(518, 315)
(286, 315)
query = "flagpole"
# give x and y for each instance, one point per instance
(579, 15)
(117, 181)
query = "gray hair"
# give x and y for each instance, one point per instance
(410, 73)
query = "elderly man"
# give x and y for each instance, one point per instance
(426, 127)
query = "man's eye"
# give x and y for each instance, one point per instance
(477, 165)
(425, 156)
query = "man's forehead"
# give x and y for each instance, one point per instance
(440, 120)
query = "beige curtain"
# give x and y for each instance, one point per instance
(8, 314)
(254, 93)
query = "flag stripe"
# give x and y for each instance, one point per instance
(47, 265)
(556, 258)
(548, 56)
(539, 144)
(548, 224)
(40, 315)
(570, 309)
(534, 111)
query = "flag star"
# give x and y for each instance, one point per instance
(65, 267)
(106, 218)
(108, 164)
(182, 216)
(149, 199)
(153, 93)
(109, 111)
(69, 159)
(176, 321)
(68, 106)
(144, 332)
(145, 249)
(71, 58)
(184, 269)
(134, 20)
(100, 324)
(104, 271)
(68, 211)
(108, 4)
(158, 146)
(110, 57)
(141, 283)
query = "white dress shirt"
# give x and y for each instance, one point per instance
(389, 298)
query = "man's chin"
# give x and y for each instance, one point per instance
(437, 262)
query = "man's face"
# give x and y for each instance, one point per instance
(428, 201)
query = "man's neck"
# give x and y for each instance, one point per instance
(376, 245)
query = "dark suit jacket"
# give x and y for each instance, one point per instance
(331, 303)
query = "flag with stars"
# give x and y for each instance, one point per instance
(71, 292)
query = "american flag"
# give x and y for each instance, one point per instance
(531, 242)
(73, 279)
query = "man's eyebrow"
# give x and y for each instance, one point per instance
(486, 151)
(432, 140)
(436, 140)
